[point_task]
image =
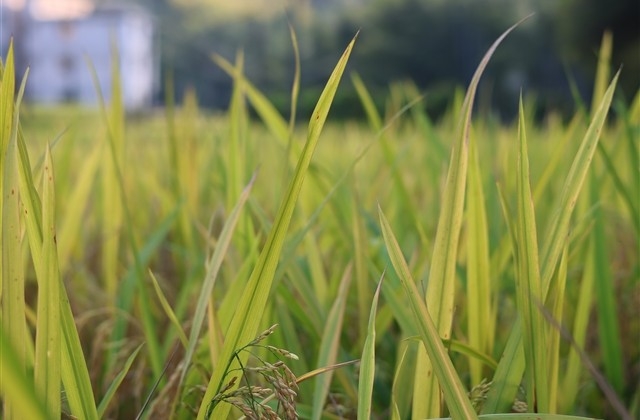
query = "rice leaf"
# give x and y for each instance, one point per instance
(295, 86)
(168, 310)
(526, 416)
(117, 381)
(8, 86)
(480, 324)
(75, 375)
(528, 284)
(454, 392)
(554, 335)
(79, 199)
(402, 389)
(17, 389)
(117, 216)
(214, 264)
(573, 372)
(442, 275)
(363, 287)
(267, 112)
(13, 303)
(608, 323)
(48, 342)
(329, 344)
(246, 319)
(368, 361)
(559, 227)
(511, 364)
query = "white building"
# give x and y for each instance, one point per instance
(58, 50)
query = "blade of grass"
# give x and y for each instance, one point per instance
(608, 324)
(360, 243)
(506, 380)
(48, 343)
(120, 217)
(71, 225)
(573, 372)
(214, 264)
(402, 389)
(554, 335)
(528, 284)
(329, 344)
(112, 203)
(368, 361)
(375, 121)
(480, 325)
(462, 348)
(559, 227)
(75, 375)
(7, 93)
(17, 390)
(117, 381)
(295, 93)
(168, 310)
(267, 112)
(511, 365)
(601, 381)
(450, 383)
(13, 282)
(442, 275)
(249, 310)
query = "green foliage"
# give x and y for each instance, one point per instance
(216, 248)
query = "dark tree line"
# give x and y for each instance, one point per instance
(437, 45)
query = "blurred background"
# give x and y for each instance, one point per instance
(435, 44)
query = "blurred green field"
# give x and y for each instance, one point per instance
(173, 256)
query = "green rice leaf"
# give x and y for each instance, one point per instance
(244, 324)
(608, 323)
(267, 112)
(528, 284)
(368, 361)
(454, 392)
(12, 275)
(8, 86)
(402, 389)
(48, 342)
(329, 344)
(512, 364)
(79, 199)
(480, 325)
(554, 334)
(214, 264)
(17, 389)
(117, 381)
(442, 275)
(559, 227)
(168, 310)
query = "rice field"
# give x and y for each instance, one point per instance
(187, 264)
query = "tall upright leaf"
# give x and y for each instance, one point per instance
(480, 325)
(368, 361)
(442, 275)
(452, 388)
(48, 331)
(528, 285)
(500, 398)
(12, 275)
(244, 324)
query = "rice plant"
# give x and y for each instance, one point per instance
(414, 268)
